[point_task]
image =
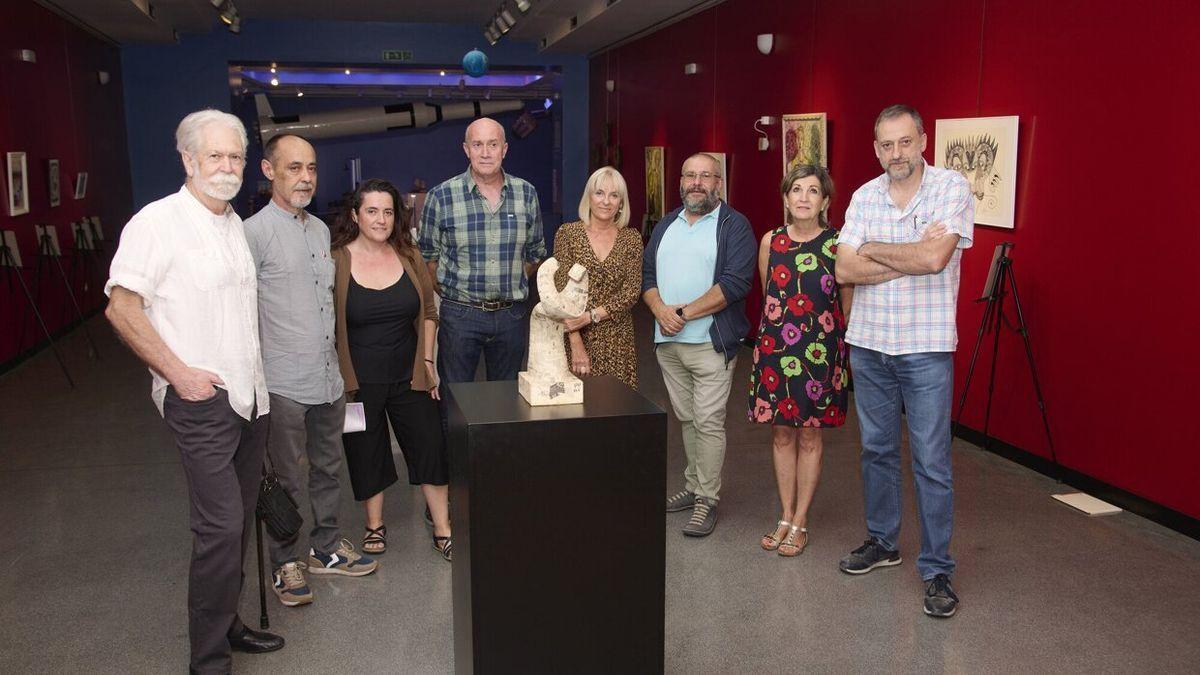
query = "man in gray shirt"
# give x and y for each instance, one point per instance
(296, 321)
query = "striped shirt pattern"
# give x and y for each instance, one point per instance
(911, 314)
(480, 252)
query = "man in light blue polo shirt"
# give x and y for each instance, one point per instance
(695, 276)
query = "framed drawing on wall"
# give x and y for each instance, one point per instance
(984, 150)
(81, 185)
(655, 185)
(724, 170)
(18, 184)
(804, 140)
(53, 183)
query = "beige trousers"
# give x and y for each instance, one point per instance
(698, 381)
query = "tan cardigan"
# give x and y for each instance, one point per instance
(416, 270)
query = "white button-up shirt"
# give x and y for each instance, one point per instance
(914, 313)
(197, 281)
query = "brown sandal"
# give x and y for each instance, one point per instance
(375, 540)
(771, 541)
(788, 547)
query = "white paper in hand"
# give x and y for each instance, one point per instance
(356, 418)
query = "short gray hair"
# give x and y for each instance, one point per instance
(900, 110)
(187, 135)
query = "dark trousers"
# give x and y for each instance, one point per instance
(222, 460)
(466, 332)
(417, 423)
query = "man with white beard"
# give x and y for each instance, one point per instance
(296, 321)
(183, 296)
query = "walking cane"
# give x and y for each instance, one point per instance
(263, 621)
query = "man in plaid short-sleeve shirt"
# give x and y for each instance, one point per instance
(901, 246)
(481, 235)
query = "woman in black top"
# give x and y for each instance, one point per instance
(386, 331)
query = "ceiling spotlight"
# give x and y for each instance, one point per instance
(347, 71)
(274, 81)
(502, 24)
(442, 73)
(299, 94)
(507, 16)
(523, 5)
(235, 26)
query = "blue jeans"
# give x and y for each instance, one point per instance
(465, 332)
(925, 383)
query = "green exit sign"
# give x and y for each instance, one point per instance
(397, 55)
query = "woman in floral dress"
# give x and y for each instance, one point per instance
(799, 379)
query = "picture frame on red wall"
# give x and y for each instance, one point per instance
(81, 185)
(53, 182)
(17, 183)
(984, 151)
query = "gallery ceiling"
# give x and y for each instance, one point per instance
(567, 26)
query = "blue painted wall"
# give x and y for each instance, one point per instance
(165, 82)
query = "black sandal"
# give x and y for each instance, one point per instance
(375, 540)
(442, 545)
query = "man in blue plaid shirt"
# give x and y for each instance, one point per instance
(481, 235)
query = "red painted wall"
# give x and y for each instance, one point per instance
(1108, 225)
(56, 108)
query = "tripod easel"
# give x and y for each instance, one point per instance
(12, 266)
(999, 283)
(47, 249)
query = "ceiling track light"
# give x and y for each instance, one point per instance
(523, 6)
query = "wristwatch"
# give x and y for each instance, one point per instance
(592, 313)
(679, 311)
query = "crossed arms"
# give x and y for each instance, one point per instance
(875, 262)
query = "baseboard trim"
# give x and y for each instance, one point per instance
(1170, 518)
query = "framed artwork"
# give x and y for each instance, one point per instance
(81, 185)
(724, 172)
(18, 184)
(804, 140)
(655, 186)
(53, 182)
(984, 150)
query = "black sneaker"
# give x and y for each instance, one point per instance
(940, 600)
(867, 557)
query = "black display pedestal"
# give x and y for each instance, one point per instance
(559, 530)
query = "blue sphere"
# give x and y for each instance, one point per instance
(475, 63)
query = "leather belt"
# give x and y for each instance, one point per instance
(486, 305)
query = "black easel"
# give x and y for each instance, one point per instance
(1000, 281)
(9, 263)
(46, 250)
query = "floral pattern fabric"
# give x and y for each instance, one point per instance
(800, 375)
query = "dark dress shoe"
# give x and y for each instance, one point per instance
(254, 642)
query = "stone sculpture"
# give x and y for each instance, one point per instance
(549, 380)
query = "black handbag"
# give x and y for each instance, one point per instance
(276, 508)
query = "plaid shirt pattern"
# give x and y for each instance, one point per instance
(911, 314)
(480, 252)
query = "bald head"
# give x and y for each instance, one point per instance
(484, 125)
(485, 147)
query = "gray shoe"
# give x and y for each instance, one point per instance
(704, 518)
(940, 599)
(681, 501)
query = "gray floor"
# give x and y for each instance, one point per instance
(95, 548)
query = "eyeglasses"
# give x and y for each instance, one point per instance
(703, 175)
